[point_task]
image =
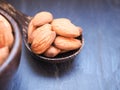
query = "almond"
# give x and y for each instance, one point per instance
(46, 26)
(9, 39)
(6, 35)
(42, 18)
(4, 24)
(64, 27)
(67, 44)
(31, 28)
(64, 51)
(6, 39)
(2, 40)
(4, 52)
(52, 51)
(39, 30)
(43, 41)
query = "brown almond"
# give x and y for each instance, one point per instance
(2, 40)
(4, 24)
(39, 30)
(64, 51)
(42, 18)
(43, 41)
(52, 51)
(64, 27)
(9, 39)
(5, 33)
(46, 26)
(6, 39)
(67, 44)
(31, 28)
(4, 52)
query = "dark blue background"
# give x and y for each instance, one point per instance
(97, 67)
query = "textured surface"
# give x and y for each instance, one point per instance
(97, 67)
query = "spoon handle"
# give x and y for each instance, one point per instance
(20, 17)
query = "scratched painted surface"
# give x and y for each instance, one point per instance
(97, 67)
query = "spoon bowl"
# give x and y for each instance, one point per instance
(63, 57)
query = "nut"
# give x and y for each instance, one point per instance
(43, 41)
(52, 51)
(6, 39)
(4, 52)
(42, 18)
(46, 26)
(31, 28)
(64, 27)
(39, 30)
(2, 40)
(64, 51)
(4, 25)
(67, 44)
(9, 39)
(6, 36)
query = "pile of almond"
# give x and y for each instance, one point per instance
(50, 36)
(6, 39)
